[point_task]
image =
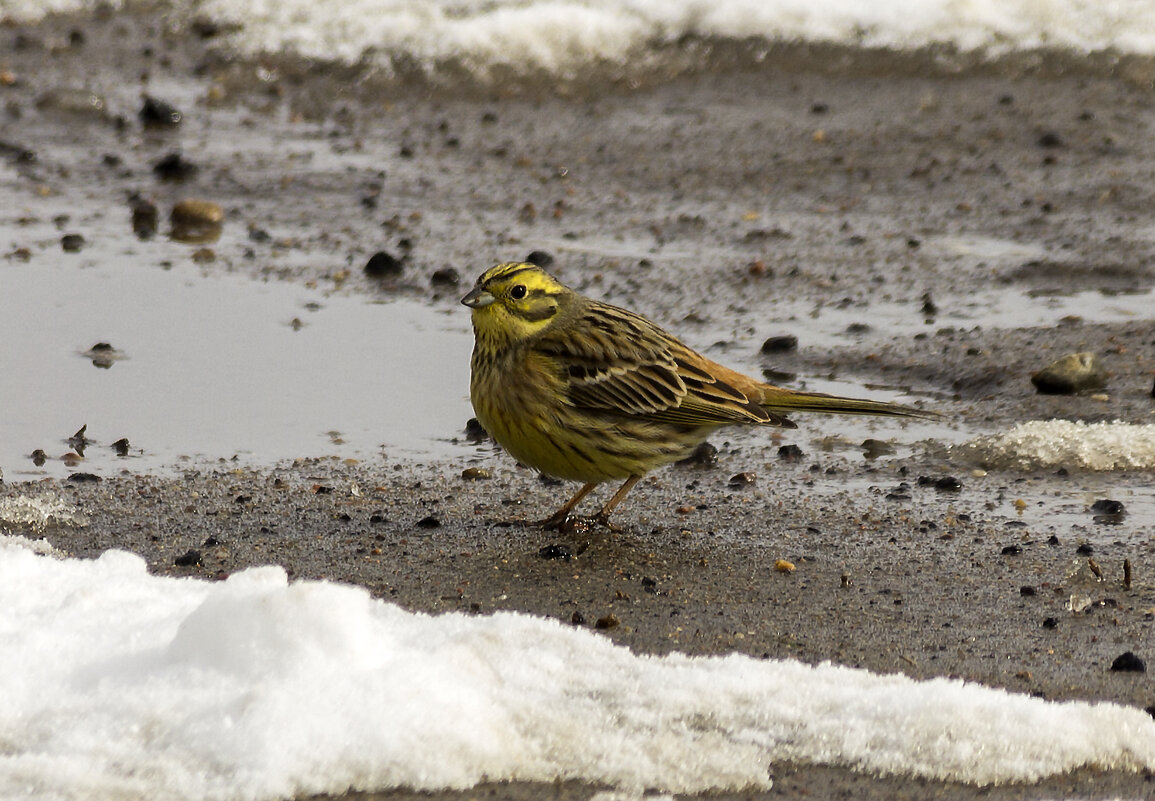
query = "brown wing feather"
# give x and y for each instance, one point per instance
(616, 361)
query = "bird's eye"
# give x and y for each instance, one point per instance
(517, 292)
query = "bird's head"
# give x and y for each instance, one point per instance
(514, 301)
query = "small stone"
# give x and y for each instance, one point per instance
(475, 474)
(1086, 549)
(429, 522)
(540, 258)
(38, 457)
(446, 276)
(606, 622)
(196, 221)
(739, 480)
(103, 355)
(790, 453)
(873, 448)
(383, 264)
(474, 431)
(145, 217)
(1027, 591)
(1050, 139)
(156, 113)
(1129, 662)
(1105, 506)
(783, 566)
(72, 243)
(561, 552)
(84, 478)
(1073, 373)
(948, 484)
(1012, 550)
(928, 307)
(191, 558)
(1051, 623)
(780, 343)
(121, 446)
(705, 455)
(577, 618)
(174, 167)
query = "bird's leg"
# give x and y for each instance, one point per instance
(603, 517)
(558, 518)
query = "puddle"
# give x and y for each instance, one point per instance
(210, 367)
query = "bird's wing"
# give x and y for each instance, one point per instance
(613, 360)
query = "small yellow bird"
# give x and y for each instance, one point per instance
(585, 391)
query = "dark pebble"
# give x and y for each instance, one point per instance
(322, 490)
(121, 446)
(39, 457)
(84, 478)
(428, 522)
(72, 243)
(819, 108)
(1050, 139)
(1012, 550)
(607, 622)
(857, 328)
(928, 307)
(541, 258)
(705, 455)
(475, 474)
(156, 113)
(873, 448)
(1027, 591)
(190, 558)
(577, 619)
(174, 167)
(561, 552)
(382, 264)
(145, 217)
(780, 344)
(1053, 540)
(1128, 662)
(446, 276)
(474, 431)
(1105, 506)
(1086, 549)
(790, 453)
(948, 484)
(1051, 623)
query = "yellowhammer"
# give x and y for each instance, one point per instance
(582, 390)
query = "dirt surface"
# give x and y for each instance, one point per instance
(702, 201)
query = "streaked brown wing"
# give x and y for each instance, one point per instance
(617, 361)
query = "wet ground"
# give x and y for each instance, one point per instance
(928, 236)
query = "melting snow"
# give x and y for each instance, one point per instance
(119, 684)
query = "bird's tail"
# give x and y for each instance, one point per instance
(778, 399)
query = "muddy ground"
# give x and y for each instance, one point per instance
(702, 200)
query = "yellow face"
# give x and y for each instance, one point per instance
(513, 301)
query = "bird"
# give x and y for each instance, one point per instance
(583, 390)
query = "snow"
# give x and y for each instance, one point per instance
(564, 35)
(1041, 444)
(118, 684)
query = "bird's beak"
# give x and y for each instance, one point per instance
(478, 298)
